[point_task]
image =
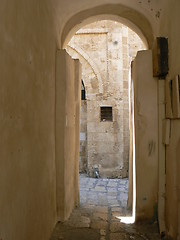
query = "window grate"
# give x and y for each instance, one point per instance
(106, 114)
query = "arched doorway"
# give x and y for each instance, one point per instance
(143, 26)
(117, 48)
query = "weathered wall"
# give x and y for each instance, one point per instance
(169, 28)
(106, 49)
(146, 140)
(77, 100)
(83, 138)
(143, 17)
(67, 133)
(27, 142)
(27, 66)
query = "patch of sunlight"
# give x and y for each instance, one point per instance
(131, 219)
(126, 220)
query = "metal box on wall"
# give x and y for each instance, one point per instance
(160, 58)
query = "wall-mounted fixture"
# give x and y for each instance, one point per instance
(160, 58)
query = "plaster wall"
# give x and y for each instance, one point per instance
(163, 16)
(170, 29)
(29, 33)
(172, 179)
(146, 135)
(27, 100)
(67, 133)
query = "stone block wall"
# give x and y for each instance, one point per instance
(105, 49)
(83, 139)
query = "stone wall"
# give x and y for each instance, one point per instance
(105, 49)
(83, 138)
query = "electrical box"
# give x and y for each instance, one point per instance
(160, 58)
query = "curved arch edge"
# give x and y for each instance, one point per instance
(116, 12)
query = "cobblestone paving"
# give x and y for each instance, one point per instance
(111, 193)
(102, 202)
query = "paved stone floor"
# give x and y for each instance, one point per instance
(102, 202)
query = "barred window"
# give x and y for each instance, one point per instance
(106, 114)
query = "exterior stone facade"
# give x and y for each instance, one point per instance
(105, 50)
(83, 138)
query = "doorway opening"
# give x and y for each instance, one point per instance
(105, 49)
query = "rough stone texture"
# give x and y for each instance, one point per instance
(96, 221)
(83, 138)
(105, 49)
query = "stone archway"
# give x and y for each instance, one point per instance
(108, 48)
(117, 12)
(90, 62)
(138, 22)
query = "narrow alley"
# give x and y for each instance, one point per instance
(102, 203)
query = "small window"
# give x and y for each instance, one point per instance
(106, 114)
(83, 91)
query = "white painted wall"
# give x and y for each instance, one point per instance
(146, 135)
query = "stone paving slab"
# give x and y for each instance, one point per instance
(105, 192)
(102, 202)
